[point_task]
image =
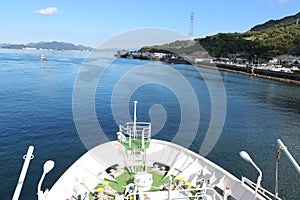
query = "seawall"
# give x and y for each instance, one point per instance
(293, 78)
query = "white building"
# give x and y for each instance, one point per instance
(159, 55)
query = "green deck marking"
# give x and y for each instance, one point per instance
(135, 144)
(91, 197)
(124, 179)
(157, 181)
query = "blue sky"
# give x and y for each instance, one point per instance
(91, 22)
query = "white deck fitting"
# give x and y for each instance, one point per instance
(172, 159)
(180, 162)
(189, 173)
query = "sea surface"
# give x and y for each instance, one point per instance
(38, 98)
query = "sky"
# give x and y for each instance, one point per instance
(91, 22)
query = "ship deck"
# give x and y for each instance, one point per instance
(107, 162)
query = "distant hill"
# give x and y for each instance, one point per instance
(54, 45)
(178, 47)
(265, 41)
(286, 21)
(58, 46)
(13, 46)
(3, 44)
(264, 44)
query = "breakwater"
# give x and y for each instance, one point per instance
(293, 78)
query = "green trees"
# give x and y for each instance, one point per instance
(265, 43)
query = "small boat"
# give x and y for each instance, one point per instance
(42, 57)
(136, 167)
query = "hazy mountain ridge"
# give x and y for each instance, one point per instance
(54, 45)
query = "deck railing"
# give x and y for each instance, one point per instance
(193, 194)
(263, 192)
(137, 130)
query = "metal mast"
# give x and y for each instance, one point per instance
(135, 137)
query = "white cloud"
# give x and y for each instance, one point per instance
(47, 11)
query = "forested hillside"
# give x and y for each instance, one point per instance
(271, 39)
(263, 44)
(265, 41)
(286, 21)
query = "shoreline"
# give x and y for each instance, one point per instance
(292, 78)
(279, 76)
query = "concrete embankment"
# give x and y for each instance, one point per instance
(293, 78)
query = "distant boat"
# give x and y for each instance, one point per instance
(42, 57)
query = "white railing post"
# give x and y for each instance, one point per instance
(19, 186)
(134, 120)
(288, 154)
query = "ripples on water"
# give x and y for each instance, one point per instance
(36, 109)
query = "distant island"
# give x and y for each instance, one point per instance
(54, 45)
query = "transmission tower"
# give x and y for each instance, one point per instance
(191, 32)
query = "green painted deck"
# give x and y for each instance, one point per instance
(135, 144)
(124, 179)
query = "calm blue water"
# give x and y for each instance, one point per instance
(36, 109)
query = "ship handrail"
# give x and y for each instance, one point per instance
(200, 192)
(139, 128)
(262, 191)
(281, 146)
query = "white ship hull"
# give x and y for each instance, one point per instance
(88, 171)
